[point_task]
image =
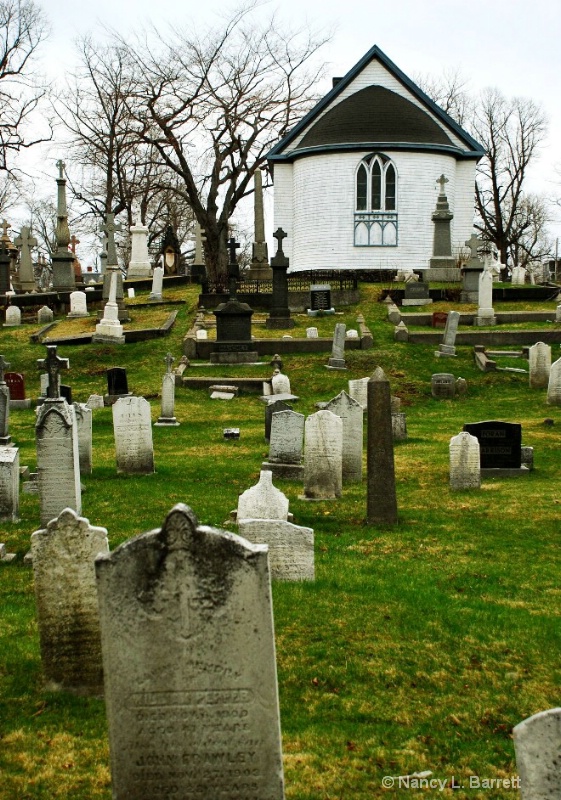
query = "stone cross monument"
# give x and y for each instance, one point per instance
(62, 260)
(279, 315)
(25, 281)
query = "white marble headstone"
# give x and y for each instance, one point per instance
(263, 501)
(78, 305)
(323, 456)
(554, 384)
(465, 471)
(539, 364)
(358, 390)
(280, 383)
(13, 316)
(9, 483)
(537, 744)
(312, 333)
(133, 435)
(351, 413)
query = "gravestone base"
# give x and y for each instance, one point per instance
(141, 269)
(445, 350)
(77, 314)
(485, 319)
(122, 315)
(235, 354)
(166, 422)
(336, 363)
(320, 312)
(20, 403)
(505, 472)
(110, 399)
(416, 301)
(108, 338)
(274, 323)
(6, 441)
(293, 472)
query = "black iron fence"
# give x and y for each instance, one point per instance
(297, 282)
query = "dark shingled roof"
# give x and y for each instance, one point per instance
(375, 114)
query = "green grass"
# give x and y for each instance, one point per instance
(417, 648)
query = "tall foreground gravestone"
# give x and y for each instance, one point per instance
(63, 556)
(323, 456)
(381, 494)
(537, 743)
(189, 665)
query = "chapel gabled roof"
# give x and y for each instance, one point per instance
(375, 116)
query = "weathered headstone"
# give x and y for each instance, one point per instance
(447, 348)
(337, 360)
(381, 494)
(399, 427)
(518, 277)
(465, 470)
(78, 305)
(352, 415)
(58, 465)
(84, 422)
(13, 316)
(192, 700)
(285, 445)
(63, 556)
(139, 265)
(539, 363)
(416, 294)
(554, 384)
(167, 417)
(53, 363)
(5, 438)
(263, 501)
(133, 436)
(45, 315)
(358, 390)
(312, 333)
(485, 312)
(16, 384)
(438, 319)
(499, 443)
(291, 547)
(323, 456)
(95, 401)
(443, 386)
(280, 383)
(9, 483)
(537, 744)
(270, 409)
(25, 279)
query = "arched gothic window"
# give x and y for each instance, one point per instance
(376, 202)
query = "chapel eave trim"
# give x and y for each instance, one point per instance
(450, 150)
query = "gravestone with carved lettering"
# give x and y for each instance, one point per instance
(13, 316)
(320, 300)
(133, 436)
(323, 456)
(63, 556)
(280, 383)
(9, 483)
(58, 465)
(337, 360)
(192, 699)
(84, 422)
(500, 443)
(263, 501)
(358, 390)
(448, 348)
(352, 416)
(539, 365)
(291, 547)
(465, 470)
(285, 445)
(271, 408)
(16, 384)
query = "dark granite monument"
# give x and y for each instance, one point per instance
(279, 315)
(500, 443)
(117, 384)
(233, 322)
(62, 260)
(320, 300)
(5, 261)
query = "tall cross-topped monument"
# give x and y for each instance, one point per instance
(26, 278)
(443, 180)
(442, 263)
(62, 259)
(52, 365)
(472, 271)
(109, 228)
(279, 315)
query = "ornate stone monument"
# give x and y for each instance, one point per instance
(167, 417)
(279, 315)
(442, 263)
(63, 258)
(25, 280)
(139, 264)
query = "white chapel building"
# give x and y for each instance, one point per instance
(356, 181)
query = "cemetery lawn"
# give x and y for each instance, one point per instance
(417, 648)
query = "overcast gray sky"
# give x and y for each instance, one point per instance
(514, 45)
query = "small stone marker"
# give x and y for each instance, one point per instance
(399, 427)
(291, 547)
(352, 416)
(263, 501)
(323, 456)
(465, 471)
(95, 401)
(416, 294)
(201, 334)
(280, 383)
(352, 334)
(6, 557)
(157, 284)
(381, 494)
(16, 384)
(131, 294)
(78, 305)
(447, 348)
(443, 386)
(337, 360)
(133, 436)
(192, 700)
(167, 417)
(231, 433)
(537, 744)
(13, 316)
(312, 333)
(84, 424)
(438, 319)
(63, 558)
(539, 361)
(394, 314)
(554, 384)
(9, 483)
(45, 315)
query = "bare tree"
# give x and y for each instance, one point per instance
(23, 27)
(533, 242)
(511, 131)
(449, 91)
(213, 105)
